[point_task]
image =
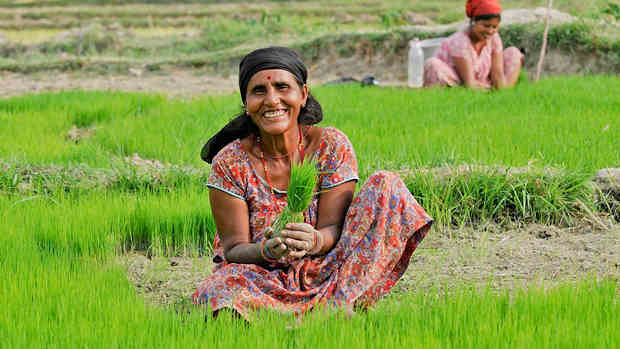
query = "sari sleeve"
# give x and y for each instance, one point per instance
(337, 161)
(227, 173)
(459, 46)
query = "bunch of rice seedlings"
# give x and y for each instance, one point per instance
(304, 178)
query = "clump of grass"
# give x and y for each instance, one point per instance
(25, 179)
(99, 223)
(303, 181)
(480, 196)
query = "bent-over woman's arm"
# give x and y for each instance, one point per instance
(466, 72)
(497, 70)
(499, 78)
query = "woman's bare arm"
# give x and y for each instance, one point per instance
(497, 70)
(498, 75)
(466, 72)
(233, 226)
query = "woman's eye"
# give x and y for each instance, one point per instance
(282, 86)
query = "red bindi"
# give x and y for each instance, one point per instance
(268, 77)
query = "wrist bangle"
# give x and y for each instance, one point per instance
(265, 254)
(318, 243)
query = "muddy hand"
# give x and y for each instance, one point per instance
(276, 247)
(299, 237)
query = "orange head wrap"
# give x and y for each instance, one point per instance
(475, 8)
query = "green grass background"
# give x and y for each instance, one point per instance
(59, 250)
(64, 288)
(562, 122)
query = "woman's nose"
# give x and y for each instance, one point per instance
(272, 97)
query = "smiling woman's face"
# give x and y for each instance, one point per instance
(274, 99)
(485, 28)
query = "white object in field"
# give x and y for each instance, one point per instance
(416, 70)
(430, 46)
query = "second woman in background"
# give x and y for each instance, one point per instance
(475, 57)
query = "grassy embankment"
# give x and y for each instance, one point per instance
(188, 13)
(213, 37)
(60, 232)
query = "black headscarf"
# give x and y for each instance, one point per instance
(270, 58)
(242, 126)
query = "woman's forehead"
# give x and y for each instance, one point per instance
(490, 21)
(268, 75)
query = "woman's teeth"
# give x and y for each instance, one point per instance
(274, 114)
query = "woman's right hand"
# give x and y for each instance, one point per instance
(275, 247)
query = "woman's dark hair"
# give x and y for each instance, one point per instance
(487, 17)
(242, 126)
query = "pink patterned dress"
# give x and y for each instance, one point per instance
(383, 226)
(441, 69)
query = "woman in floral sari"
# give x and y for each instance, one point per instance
(349, 250)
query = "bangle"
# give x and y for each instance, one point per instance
(265, 254)
(318, 243)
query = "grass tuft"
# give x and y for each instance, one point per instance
(481, 196)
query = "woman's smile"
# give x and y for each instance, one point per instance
(275, 114)
(484, 29)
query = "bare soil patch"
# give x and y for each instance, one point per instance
(513, 258)
(163, 280)
(174, 82)
(502, 258)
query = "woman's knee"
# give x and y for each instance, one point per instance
(385, 181)
(432, 66)
(438, 72)
(513, 62)
(512, 51)
(383, 176)
(513, 55)
(432, 62)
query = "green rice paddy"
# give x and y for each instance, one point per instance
(69, 209)
(563, 122)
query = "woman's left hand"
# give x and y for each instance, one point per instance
(300, 239)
